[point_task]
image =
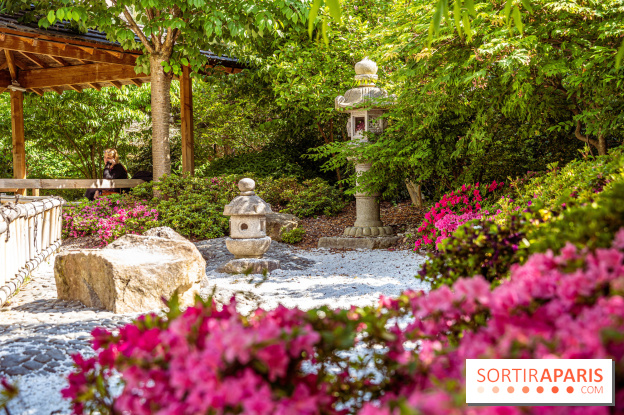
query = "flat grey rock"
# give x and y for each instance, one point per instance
(216, 254)
(338, 242)
(249, 265)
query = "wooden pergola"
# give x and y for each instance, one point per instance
(56, 60)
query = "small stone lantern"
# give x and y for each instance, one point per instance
(248, 240)
(365, 104)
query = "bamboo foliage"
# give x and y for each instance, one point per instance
(30, 231)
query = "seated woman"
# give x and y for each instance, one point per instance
(112, 170)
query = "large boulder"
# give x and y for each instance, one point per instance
(279, 223)
(132, 274)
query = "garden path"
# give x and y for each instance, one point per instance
(38, 332)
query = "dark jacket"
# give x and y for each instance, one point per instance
(118, 171)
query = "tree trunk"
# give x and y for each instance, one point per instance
(94, 174)
(602, 145)
(161, 114)
(415, 193)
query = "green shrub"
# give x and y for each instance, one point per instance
(293, 236)
(576, 183)
(590, 226)
(193, 206)
(478, 247)
(260, 164)
(310, 198)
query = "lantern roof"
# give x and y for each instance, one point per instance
(247, 203)
(365, 94)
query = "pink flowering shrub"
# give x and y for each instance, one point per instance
(569, 306)
(292, 362)
(108, 218)
(205, 361)
(450, 222)
(463, 205)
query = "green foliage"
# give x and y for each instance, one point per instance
(261, 164)
(192, 206)
(193, 216)
(67, 134)
(479, 247)
(179, 30)
(496, 104)
(592, 225)
(310, 198)
(293, 236)
(582, 204)
(575, 184)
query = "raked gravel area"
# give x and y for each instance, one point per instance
(38, 332)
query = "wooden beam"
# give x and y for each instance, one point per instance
(5, 79)
(19, 64)
(75, 88)
(136, 82)
(11, 63)
(64, 50)
(94, 85)
(34, 59)
(37, 91)
(57, 90)
(116, 84)
(186, 107)
(68, 183)
(78, 74)
(4, 65)
(39, 36)
(90, 51)
(17, 133)
(60, 61)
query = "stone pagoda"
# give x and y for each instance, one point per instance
(365, 105)
(248, 240)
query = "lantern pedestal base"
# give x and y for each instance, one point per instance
(251, 265)
(338, 242)
(359, 231)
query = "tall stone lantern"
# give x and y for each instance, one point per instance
(365, 105)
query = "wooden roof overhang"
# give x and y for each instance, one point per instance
(57, 60)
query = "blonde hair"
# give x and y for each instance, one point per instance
(112, 153)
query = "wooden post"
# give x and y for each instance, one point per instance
(17, 126)
(186, 109)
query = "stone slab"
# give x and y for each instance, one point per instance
(243, 265)
(339, 242)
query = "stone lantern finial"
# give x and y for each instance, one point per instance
(366, 72)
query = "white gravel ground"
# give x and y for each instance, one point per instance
(338, 279)
(335, 279)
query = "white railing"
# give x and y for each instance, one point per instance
(30, 231)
